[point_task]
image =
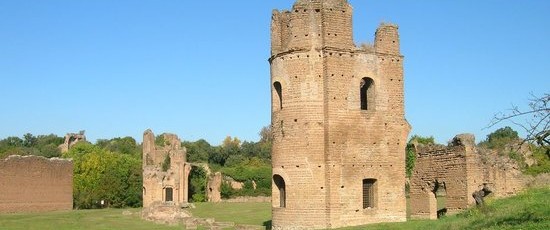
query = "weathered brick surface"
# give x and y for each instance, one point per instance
(461, 169)
(156, 180)
(35, 184)
(325, 144)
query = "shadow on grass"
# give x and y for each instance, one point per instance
(267, 225)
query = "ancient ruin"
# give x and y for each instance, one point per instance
(338, 122)
(35, 184)
(460, 170)
(213, 187)
(71, 139)
(165, 171)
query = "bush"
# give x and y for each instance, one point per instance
(197, 184)
(103, 175)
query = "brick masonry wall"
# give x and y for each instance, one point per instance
(324, 143)
(462, 169)
(35, 184)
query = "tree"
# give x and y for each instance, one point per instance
(29, 140)
(125, 145)
(265, 134)
(197, 185)
(500, 138)
(198, 151)
(103, 175)
(537, 121)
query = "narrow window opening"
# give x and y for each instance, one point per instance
(367, 94)
(280, 183)
(169, 194)
(279, 91)
(369, 193)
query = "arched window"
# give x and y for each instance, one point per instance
(367, 94)
(369, 193)
(168, 194)
(279, 98)
(280, 183)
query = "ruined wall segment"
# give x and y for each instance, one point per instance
(337, 119)
(461, 168)
(165, 172)
(35, 184)
(72, 139)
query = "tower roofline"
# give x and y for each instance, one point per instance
(322, 3)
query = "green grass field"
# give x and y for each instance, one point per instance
(239, 213)
(529, 210)
(80, 219)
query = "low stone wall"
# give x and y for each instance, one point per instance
(35, 184)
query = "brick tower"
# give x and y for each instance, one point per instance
(338, 120)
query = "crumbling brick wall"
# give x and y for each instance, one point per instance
(164, 187)
(461, 169)
(35, 184)
(338, 122)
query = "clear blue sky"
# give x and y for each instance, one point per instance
(199, 68)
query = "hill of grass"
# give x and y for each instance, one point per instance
(528, 210)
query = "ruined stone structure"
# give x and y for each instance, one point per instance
(338, 122)
(35, 184)
(165, 171)
(214, 184)
(460, 169)
(71, 139)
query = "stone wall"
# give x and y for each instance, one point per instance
(337, 120)
(460, 169)
(35, 184)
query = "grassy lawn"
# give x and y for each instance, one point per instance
(239, 213)
(80, 219)
(529, 210)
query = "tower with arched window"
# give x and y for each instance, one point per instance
(338, 121)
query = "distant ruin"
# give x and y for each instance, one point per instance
(459, 170)
(35, 184)
(165, 171)
(71, 139)
(165, 178)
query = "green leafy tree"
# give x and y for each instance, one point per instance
(197, 185)
(500, 138)
(42, 145)
(198, 151)
(29, 140)
(125, 145)
(103, 175)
